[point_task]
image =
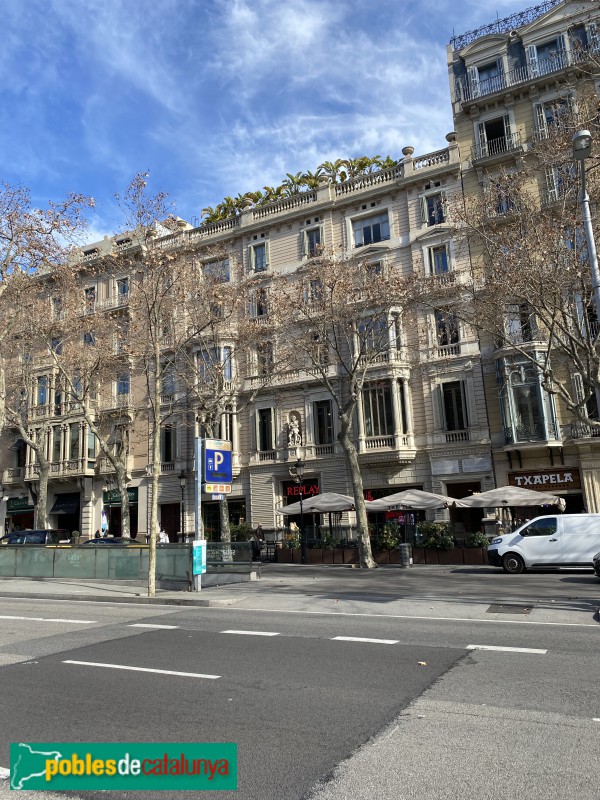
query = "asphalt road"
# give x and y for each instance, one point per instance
(415, 714)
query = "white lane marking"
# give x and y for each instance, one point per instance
(143, 669)
(253, 633)
(595, 719)
(4, 773)
(505, 649)
(361, 639)
(491, 621)
(51, 619)
(149, 625)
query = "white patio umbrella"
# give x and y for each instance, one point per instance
(320, 504)
(413, 499)
(512, 496)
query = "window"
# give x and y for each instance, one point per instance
(378, 410)
(56, 345)
(57, 402)
(314, 292)
(519, 323)
(42, 390)
(447, 329)
(454, 406)
(486, 78)
(265, 358)
(552, 114)
(320, 351)
(265, 429)
(559, 179)
(123, 384)
(89, 339)
(217, 271)
(323, 421)
(167, 443)
(438, 261)
(433, 209)
(259, 304)
(371, 229)
(547, 57)
(91, 445)
(56, 444)
(169, 384)
(495, 136)
(374, 335)
(57, 307)
(74, 432)
(90, 299)
(541, 527)
(523, 408)
(213, 360)
(259, 260)
(123, 289)
(312, 242)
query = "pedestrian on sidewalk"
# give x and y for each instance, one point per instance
(257, 543)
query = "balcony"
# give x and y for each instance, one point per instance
(62, 469)
(467, 90)
(493, 148)
(579, 430)
(13, 475)
(532, 432)
(380, 450)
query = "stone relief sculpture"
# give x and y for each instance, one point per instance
(294, 437)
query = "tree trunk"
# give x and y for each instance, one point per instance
(366, 560)
(155, 476)
(42, 500)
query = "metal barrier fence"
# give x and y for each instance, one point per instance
(117, 562)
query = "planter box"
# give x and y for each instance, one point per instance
(475, 555)
(418, 555)
(328, 555)
(283, 556)
(338, 555)
(381, 556)
(394, 556)
(431, 556)
(350, 555)
(296, 555)
(314, 555)
(454, 556)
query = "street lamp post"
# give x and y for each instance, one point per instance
(297, 472)
(582, 149)
(182, 482)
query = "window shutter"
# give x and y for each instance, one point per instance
(267, 255)
(507, 130)
(304, 243)
(593, 36)
(473, 74)
(561, 46)
(482, 137)
(578, 390)
(540, 120)
(551, 184)
(423, 206)
(532, 60)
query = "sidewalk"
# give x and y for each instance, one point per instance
(336, 590)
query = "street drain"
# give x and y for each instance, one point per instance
(498, 608)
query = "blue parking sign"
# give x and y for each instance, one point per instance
(217, 461)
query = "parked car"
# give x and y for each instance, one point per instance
(596, 563)
(564, 540)
(40, 536)
(123, 541)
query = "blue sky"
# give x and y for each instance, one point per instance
(218, 97)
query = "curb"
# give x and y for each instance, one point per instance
(137, 599)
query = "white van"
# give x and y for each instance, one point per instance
(565, 540)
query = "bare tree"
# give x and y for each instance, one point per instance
(530, 291)
(337, 318)
(32, 239)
